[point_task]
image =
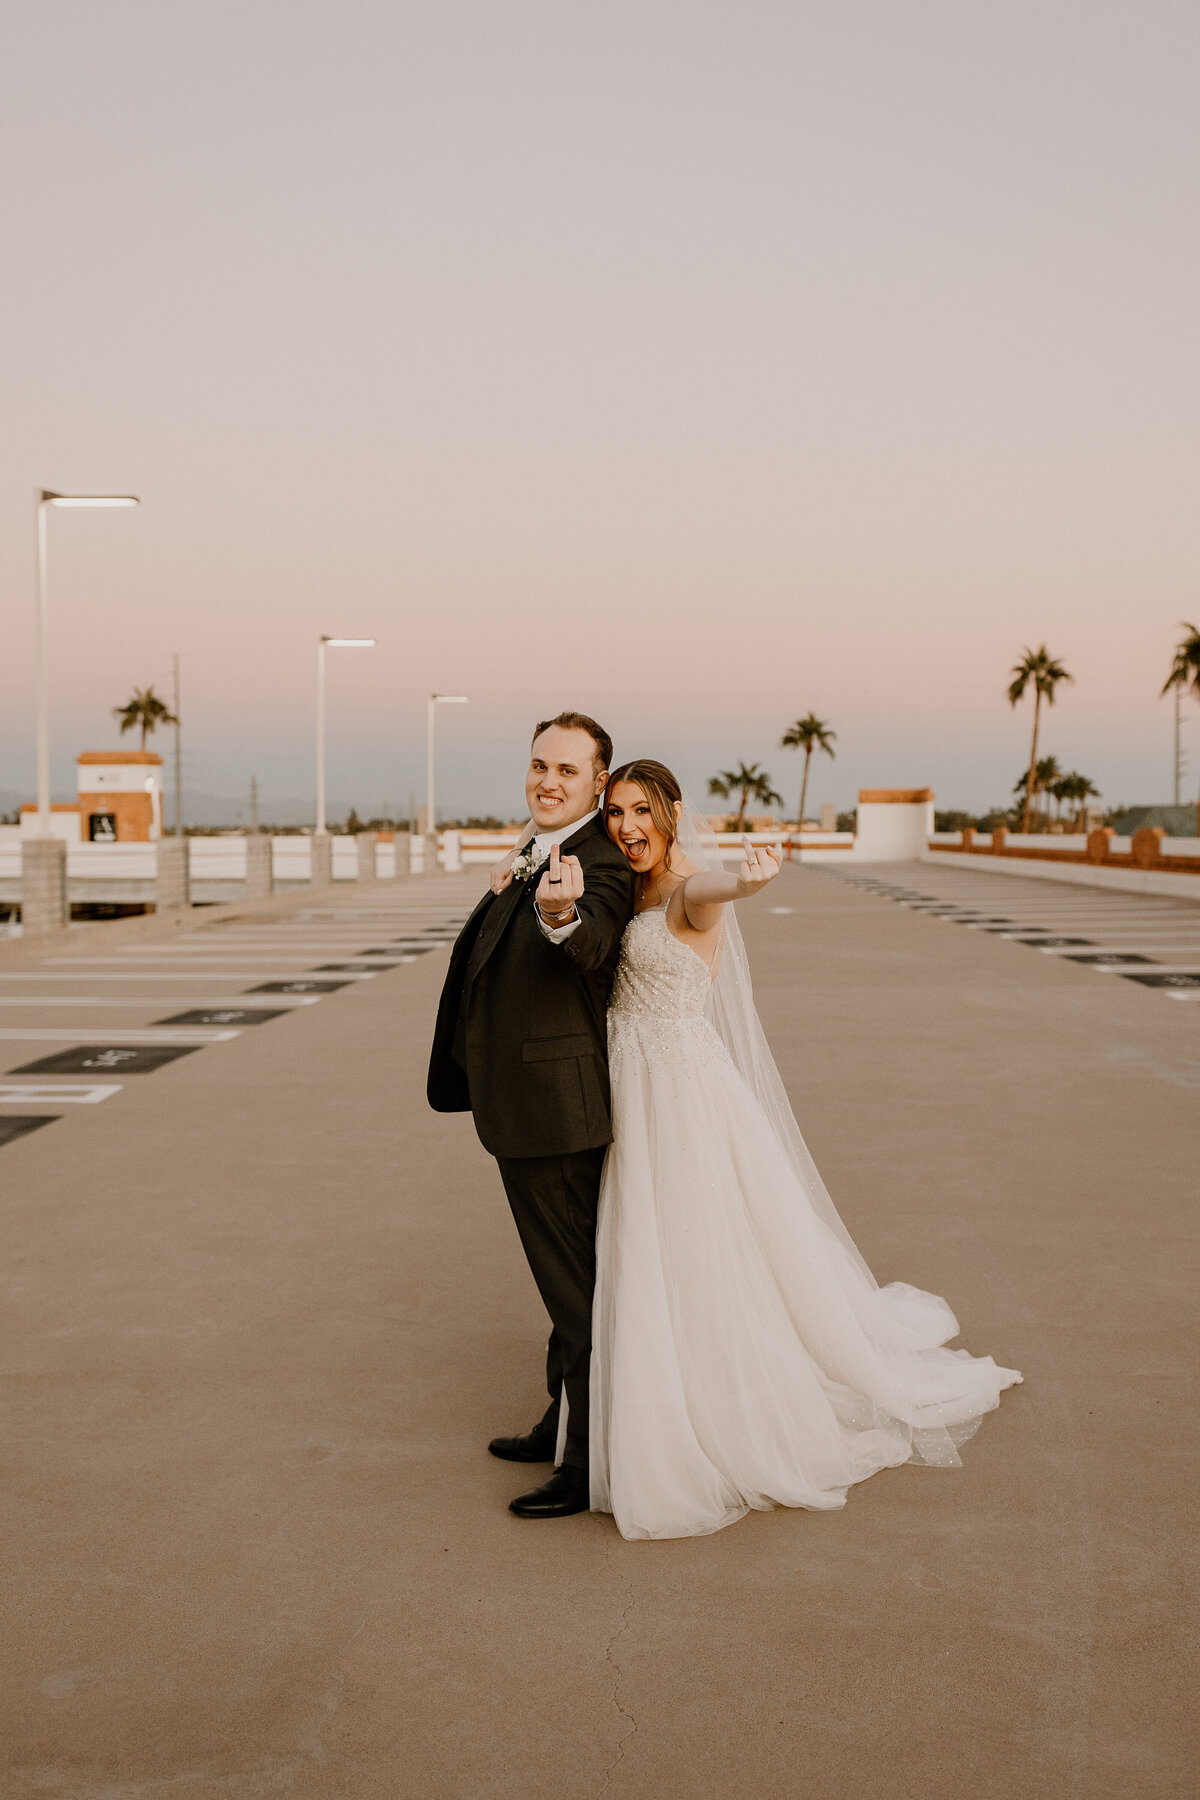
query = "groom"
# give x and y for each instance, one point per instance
(521, 1042)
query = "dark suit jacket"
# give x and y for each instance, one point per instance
(535, 1035)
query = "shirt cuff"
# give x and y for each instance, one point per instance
(557, 934)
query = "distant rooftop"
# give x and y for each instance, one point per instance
(118, 756)
(1176, 821)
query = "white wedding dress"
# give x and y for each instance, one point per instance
(743, 1354)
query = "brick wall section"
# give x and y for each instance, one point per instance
(1145, 851)
(134, 814)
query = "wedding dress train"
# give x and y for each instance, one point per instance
(743, 1355)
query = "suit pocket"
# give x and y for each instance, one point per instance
(556, 1049)
(563, 1076)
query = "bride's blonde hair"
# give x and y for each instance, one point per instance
(661, 789)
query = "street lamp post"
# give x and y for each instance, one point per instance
(435, 700)
(323, 644)
(46, 498)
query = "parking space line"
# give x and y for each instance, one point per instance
(145, 1000)
(1155, 944)
(156, 975)
(56, 1093)
(34, 1034)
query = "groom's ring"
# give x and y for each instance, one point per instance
(554, 880)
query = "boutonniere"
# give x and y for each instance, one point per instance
(531, 858)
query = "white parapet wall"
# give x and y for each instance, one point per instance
(894, 824)
(486, 847)
(127, 873)
(1176, 884)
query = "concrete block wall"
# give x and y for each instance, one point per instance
(321, 866)
(366, 842)
(43, 885)
(259, 884)
(172, 884)
(893, 824)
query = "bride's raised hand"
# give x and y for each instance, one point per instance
(500, 874)
(761, 865)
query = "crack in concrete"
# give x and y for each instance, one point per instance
(622, 1711)
(311, 1744)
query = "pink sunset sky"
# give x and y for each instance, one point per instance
(697, 365)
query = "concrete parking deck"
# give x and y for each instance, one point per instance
(264, 1311)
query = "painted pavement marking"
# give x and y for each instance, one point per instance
(305, 987)
(146, 1034)
(1044, 941)
(1095, 959)
(1166, 978)
(187, 959)
(1121, 931)
(111, 1058)
(158, 975)
(351, 968)
(228, 1015)
(146, 1000)
(56, 1093)
(13, 1128)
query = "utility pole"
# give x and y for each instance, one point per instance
(1178, 742)
(254, 803)
(178, 753)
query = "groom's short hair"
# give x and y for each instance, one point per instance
(577, 721)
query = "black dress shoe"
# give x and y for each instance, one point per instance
(536, 1445)
(566, 1492)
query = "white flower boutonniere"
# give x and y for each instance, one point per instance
(531, 858)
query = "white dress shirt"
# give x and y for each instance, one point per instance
(558, 934)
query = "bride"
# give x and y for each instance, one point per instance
(743, 1353)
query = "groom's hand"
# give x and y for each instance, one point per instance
(560, 887)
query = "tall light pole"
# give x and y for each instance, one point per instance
(178, 748)
(46, 498)
(323, 644)
(435, 700)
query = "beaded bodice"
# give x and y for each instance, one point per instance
(658, 976)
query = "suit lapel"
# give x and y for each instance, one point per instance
(584, 832)
(497, 921)
(505, 905)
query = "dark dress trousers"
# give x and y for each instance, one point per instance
(521, 1042)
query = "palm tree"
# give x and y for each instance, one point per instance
(1044, 672)
(143, 712)
(1062, 788)
(749, 782)
(1044, 769)
(1077, 787)
(1185, 674)
(1045, 775)
(1020, 789)
(808, 734)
